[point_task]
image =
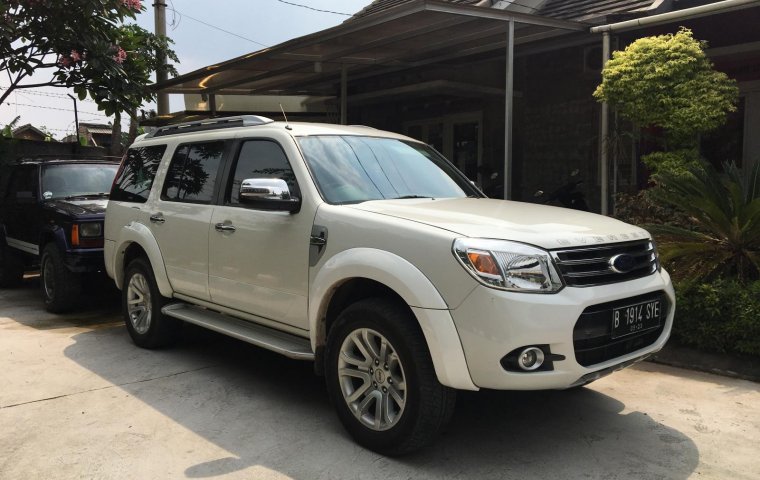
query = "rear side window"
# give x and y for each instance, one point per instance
(135, 177)
(192, 173)
(23, 184)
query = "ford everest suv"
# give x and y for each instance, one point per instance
(373, 256)
(51, 217)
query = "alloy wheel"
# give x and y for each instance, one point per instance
(372, 379)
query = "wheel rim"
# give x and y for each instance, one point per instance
(372, 379)
(138, 303)
(48, 279)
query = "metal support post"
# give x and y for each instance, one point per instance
(604, 134)
(508, 104)
(343, 96)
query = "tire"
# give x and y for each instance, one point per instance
(60, 287)
(11, 268)
(415, 414)
(141, 306)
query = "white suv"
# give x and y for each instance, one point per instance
(371, 255)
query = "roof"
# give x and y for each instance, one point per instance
(408, 34)
(380, 5)
(96, 128)
(565, 9)
(29, 127)
(588, 9)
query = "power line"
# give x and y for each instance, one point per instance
(55, 108)
(24, 91)
(184, 15)
(315, 9)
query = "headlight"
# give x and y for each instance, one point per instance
(89, 230)
(508, 265)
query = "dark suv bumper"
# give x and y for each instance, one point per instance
(84, 261)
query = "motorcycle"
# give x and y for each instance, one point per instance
(567, 195)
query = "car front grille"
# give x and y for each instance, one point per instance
(587, 266)
(592, 334)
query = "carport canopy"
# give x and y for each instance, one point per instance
(413, 34)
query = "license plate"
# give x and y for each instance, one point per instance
(636, 318)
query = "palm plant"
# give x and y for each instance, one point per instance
(724, 209)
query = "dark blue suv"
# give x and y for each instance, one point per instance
(51, 218)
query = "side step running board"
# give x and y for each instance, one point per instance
(283, 343)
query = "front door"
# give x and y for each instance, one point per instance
(259, 259)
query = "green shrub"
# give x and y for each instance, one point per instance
(721, 316)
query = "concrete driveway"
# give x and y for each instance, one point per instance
(78, 400)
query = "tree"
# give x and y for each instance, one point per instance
(81, 44)
(724, 212)
(667, 81)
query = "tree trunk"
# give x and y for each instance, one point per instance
(116, 148)
(132, 127)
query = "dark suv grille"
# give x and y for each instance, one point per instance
(592, 335)
(586, 266)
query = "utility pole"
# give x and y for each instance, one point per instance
(162, 102)
(76, 115)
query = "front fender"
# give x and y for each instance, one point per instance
(136, 232)
(398, 274)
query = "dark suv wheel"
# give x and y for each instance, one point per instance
(60, 286)
(381, 379)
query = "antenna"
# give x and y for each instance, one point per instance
(286, 118)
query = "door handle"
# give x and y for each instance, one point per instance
(157, 218)
(224, 227)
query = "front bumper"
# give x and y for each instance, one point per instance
(491, 323)
(84, 260)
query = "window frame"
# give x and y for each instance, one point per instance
(229, 174)
(220, 171)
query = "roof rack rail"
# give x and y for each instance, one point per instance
(210, 124)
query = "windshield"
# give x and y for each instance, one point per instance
(353, 169)
(75, 180)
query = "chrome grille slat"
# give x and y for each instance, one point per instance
(588, 266)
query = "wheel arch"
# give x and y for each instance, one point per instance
(136, 240)
(364, 272)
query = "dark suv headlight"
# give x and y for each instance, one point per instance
(90, 229)
(508, 265)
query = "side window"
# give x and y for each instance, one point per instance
(23, 184)
(136, 174)
(261, 159)
(192, 173)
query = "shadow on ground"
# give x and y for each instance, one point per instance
(99, 305)
(273, 412)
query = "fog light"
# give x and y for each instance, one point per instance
(531, 358)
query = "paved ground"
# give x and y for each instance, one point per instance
(78, 400)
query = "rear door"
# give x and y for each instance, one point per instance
(23, 210)
(180, 219)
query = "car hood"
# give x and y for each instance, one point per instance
(541, 225)
(78, 208)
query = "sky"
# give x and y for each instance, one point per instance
(195, 27)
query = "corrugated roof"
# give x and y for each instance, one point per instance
(564, 9)
(587, 9)
(380, 5)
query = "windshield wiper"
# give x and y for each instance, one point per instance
(87, 195)
(410, 196)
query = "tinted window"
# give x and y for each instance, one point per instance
(262, 159)
(136, 174)
(23, 184)
(192, 173)
(351, 169)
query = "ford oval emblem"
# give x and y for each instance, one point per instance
(622, 263)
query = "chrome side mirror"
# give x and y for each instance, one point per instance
(268, 194)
